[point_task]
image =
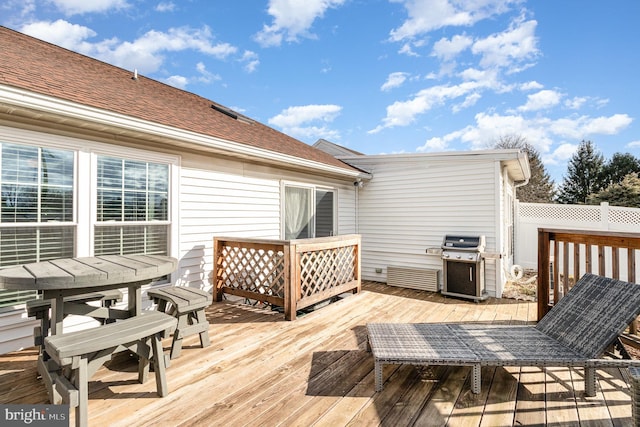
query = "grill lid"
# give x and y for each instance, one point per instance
(463, 243)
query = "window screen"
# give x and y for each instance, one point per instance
(132, 214)
(36, 210)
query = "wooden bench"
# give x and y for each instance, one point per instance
(187, 305)
(76, 356)
(39, 308)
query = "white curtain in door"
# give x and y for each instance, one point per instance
(296, 211)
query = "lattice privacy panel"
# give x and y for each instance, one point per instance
(323, 270)
(576, 213)
(629, 216)
(253, 270)
(561, 212)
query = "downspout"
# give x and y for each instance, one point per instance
(516, 185)
(515, 225)
(358, 185)
(357, 210)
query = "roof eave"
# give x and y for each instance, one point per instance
(39, 103)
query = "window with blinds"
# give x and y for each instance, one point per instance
(132, 212)
(38, 212)
(36, 209)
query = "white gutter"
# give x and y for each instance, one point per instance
(523, 159)
(11, 96)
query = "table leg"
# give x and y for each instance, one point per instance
(57, 314)
(135, 300)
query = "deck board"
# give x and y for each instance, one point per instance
(261, 370)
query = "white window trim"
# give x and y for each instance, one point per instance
(313, 187)
(85, 157)
(145, 156)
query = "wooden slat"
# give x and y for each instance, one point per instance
(567, 252)
(260, 370)
(556, 271)
(530, 398)
(560, 399)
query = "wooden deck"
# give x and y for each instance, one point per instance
(261, 370)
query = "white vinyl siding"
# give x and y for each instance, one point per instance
(78, 227)
(413, 201)
(209, 196)
(217, 203)
(233, 199)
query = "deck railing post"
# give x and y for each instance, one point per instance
(358, 266)
(544, 265)
(217, 259)
(293, 276)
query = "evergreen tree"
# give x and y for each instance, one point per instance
(625, 193)
(583, 175)
(539, 189)
(616, 169)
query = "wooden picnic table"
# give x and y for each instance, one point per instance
(68, 277)
(65, 277)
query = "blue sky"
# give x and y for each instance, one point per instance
(381, 76)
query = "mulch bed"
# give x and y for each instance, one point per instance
(524, 289)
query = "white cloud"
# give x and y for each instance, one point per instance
(403, 113)
(407, 49)
(250, 60)
(509, 49)
(488, 77)
(394, 80)
(205, 76)
(23, 8)
(434, 144)
(578, 102)
(607, 125)
(560, 155)
(532, 85)
(575, 103)
(541, 132)
(77, 7)
(541, 100)
(428, 15)
(167, 6)
(446, 49)
(583, 126)
(490, 127)
(146, 54)
(299, 121)
(177, 81)
(313, 133)
(295, 116)
(292, 19)
(469, 101)
(633, 144)
(61, 33)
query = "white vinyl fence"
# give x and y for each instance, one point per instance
(531, 216)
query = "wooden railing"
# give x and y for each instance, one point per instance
(565, 255)
(293, 274)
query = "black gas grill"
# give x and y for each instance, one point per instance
(463, 266)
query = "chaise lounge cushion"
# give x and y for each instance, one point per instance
(592, 314)
(575, 332)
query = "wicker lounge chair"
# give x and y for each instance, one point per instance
(575, 332)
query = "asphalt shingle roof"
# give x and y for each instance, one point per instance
(35, 65)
